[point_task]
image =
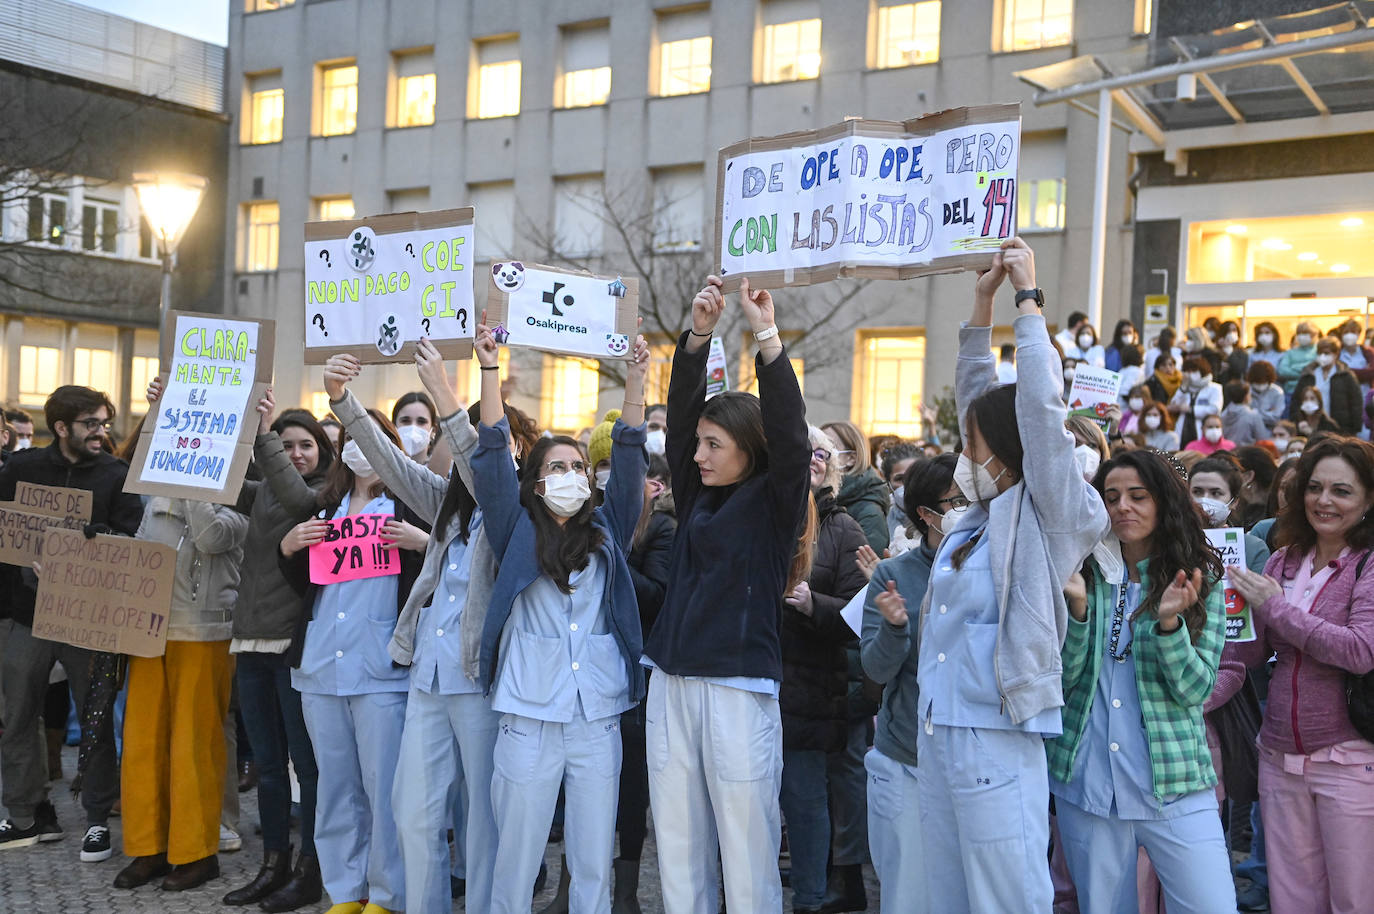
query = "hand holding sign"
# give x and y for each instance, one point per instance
(488, 353)
(707, 307)
(154, 392)
(304, 535)
(429, 365)
(1018, 260)
(757, 305)
(339, 369)
(267, 405)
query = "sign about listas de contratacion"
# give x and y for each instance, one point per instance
(375, 286)
(198, 438)
(866, 198)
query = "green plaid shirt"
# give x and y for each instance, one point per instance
(1174, 677)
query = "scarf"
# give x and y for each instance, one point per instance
(1170, 382)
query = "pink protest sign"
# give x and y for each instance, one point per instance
(353, 549)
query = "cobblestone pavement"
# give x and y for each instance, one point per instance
(51, 879)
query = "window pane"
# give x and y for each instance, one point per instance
(93, 368)
(256, 6)
(145, 238)
(791, 51)
(39, 373)
(262, 237)
(582, 88)
(141, 374)
(570, 393)
(892, 385)
(1040, 203)
(57, 219)
(267, 109)
(36, 212)
(578, 206)
(495, 206)
(89, 218)
(336, 208)
(109, 229)
(1320, 246)
(415, 101)
(685, 66)
(908, 34)
(1030, 24)
(679, 200)
(498, 89)
(339, 105)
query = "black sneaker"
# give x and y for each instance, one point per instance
(12, 835)
(45, 820)
(96, 845)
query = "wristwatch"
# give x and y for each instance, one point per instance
(1035, 294)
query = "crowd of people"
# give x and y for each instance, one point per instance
(1055, 696)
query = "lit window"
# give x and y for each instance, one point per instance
(791, 43)
(260, 251)
(338, 99)
(908, 34)
(265, 115)
(1295, 248)
(494, 204)
(415, 100)
(1144, 17)
(578, 205)
(48, 218)
(334, 208)
(684, 67)
(93, 368)
(468, 386)
(570, 390)
(679, 202)
(1028, 24)
(660, 370)
(141, 374)
(748, 382)
(40, 371)
(99, 226)
(498, 80)
(319, 405)
(891, 384)
(1040, 204)
(586, 67)
(258, 6)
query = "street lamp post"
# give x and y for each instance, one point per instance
(169, 201)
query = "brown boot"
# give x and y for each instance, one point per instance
(56, 739)
(275, 873)
(141, 871)
(189, 875)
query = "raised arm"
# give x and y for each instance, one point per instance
(215, 528)
(278, 472)
(687, 391)
(496, 487)
(625, 487)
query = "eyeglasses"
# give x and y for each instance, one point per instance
(558, 467)
(954, 501)
(93, 424)
(821, 454)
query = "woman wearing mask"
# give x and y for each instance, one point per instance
(294, 457)
(1069, 367)
(1309, 415)
(561, 686)
(1124, 335)
(1294, 362)
(1242, 423)
(656, 421)
(417, 424)
(1197, 342)
(714, 740)
(1257, 468)
(1137, 399)
(896, 460)
(1213, 438)
(1165, 381)
(1090, 444)
(989, 671)
(1235, 360)
(1266, 396)
(1164, 345)
(1132, 767)
(1132, 370)
(862, 492)
(1267, 345)
(1216, 485)
(1086, 348)
(815, 666)
(1357, 357)
(889, 650)
(1314, 608)
(1338, 388)
(1198, 398)
(1158, 428)
(352, 695)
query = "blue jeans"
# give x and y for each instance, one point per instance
(272, 716)
(803, 799)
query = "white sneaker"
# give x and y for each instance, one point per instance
(229, 840)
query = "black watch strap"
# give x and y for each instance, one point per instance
(1037, 295)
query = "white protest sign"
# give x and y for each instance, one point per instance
(198, 439)
(717, 378)
(1230, 543)
(1094, 392)
(853, 612)
(570, 312)
(880, 199)
(375, 286)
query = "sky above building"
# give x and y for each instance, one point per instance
(207, 20)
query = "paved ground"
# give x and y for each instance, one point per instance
(51, 878)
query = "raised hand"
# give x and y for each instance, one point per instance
(484, 345)
(266, 407)
(154, 392)
(639, 359)
(892, 605)
(429, 365)
(1018, 260)
(338, 371)
(399, 534)
(1181, 593)
(1076, 595)
(707, 307)
(757, 305)
(304, 535)
(867, 560)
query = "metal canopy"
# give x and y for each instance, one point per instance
(1314, 63)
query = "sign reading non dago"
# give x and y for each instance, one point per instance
(553, 310)
(877, 199)
(374, 287)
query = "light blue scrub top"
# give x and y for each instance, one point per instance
(957, 671)
(437, 666)
(558, 656)
(1111, 773)
(345, 642)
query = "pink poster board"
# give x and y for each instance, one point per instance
(353, 549)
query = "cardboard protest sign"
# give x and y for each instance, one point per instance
(374, 286)
(1094, 392)
(878, 199)
(198, 439)
(353, 549)
(1230, 543)
(107, 593)
(71, 506)
(564, 311)
(717, 378)
(34, 510)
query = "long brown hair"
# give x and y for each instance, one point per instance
(806, 547)
(1294, 529)
(560, 548)
(339, 481)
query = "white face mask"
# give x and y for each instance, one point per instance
(1309, 406)
(1218, 512)
(1295, 452)
(414, 439)
(353, 459)
(1136, 404)
(656, 441)
(1259, 388)
(23, 444)
(1350, 339)
(1128, 339)
(565, 494)
(1085, 340)
(1280, 441)
(1152, 420)
(1265, 339)
(1325, 359)
(1213, 435)
(1232, 339)
(1302, 340)
(1068, 374)
(1088, 458)
(602, 476)
(974, 479)
(1194, 379)
(949, 520)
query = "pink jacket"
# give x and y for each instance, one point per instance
(1306, 709)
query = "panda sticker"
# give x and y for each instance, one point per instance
(508, 277)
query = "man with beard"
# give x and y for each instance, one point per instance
(79, 419)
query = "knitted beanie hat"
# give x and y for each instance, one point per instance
(599, 448)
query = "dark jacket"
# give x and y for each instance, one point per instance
(649, 559)
(296, 572)
(268, 607)
(101, 475)
(866, 497)
(815, 667)
(723, 609)
(1345, 405)
(1233, 366)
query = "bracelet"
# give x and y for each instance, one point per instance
(632, 403)
(766, 334)
(702, 335)
(490, 367)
